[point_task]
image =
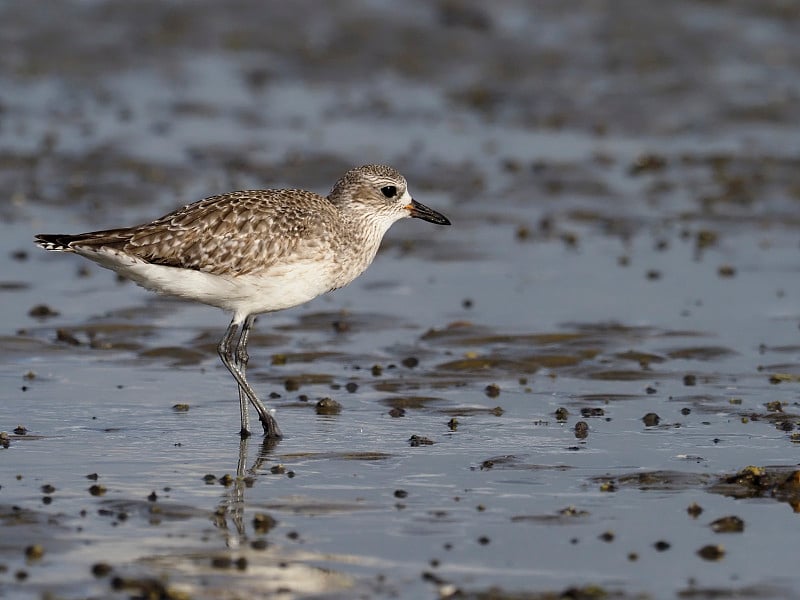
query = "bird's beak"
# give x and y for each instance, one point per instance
(420, 211)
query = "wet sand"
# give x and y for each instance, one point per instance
(586, 387)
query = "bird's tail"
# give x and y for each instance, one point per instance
(57, 242)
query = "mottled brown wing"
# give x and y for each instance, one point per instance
(237, 233)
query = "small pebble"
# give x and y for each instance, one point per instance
(661, 546)
(62, 335)
(97, 490)
(341, 326)
(42, 311)
(263, 523)
(653, 274)
(328, 406)
(730, 524)
(651, 419)
(694, 509)
(608, 486)
(711, 552)
(592, 412)
(410, 362)
(607, 536)
(221, 562)
(101, 569)
(419, 440)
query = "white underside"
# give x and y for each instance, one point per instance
(279, 288)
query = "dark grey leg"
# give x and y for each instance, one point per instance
(226, 355)
(241, 358)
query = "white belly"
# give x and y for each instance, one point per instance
(278, 288)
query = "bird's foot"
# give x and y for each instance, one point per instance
(244, 433)
(271, 429)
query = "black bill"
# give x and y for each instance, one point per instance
(420, 211)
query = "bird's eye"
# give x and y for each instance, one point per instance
(389, 191)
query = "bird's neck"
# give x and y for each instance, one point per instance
(368, 231)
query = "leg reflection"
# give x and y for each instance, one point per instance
(231, 509)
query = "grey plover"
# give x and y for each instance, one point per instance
(252, 252)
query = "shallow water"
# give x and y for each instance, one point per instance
(624, 191)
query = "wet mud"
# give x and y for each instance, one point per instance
(587, 387)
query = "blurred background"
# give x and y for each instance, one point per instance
(623, 179)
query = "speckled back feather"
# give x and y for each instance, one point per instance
(237, 233)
